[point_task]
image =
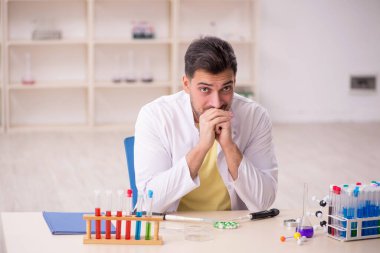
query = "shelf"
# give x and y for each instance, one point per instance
(131, 42)
(131, 1)
(58, 63)
(123, 15)
(67, 18)
(135, 85)
(48, 107)
(80, 42)
(118, 60)
(47, 127)
(48, 85)
(44, 1)
(213, 1)
(121, 106)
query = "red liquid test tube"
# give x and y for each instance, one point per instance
(97, 229)
(129, 210)
(128, 230)
(108, 213)
(119, 213)
(108, 226)
(118, 225)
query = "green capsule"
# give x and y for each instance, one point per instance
(226, 225)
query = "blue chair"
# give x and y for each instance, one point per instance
(129, 143)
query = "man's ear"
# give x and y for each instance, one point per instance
(186, 84)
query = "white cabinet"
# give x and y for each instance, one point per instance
(94, 63)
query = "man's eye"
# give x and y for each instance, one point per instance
(204, 89)
(227, 88)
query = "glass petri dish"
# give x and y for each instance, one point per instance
(198, 233)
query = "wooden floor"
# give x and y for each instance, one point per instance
(59, 171)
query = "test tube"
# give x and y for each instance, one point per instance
(330, 211)
(354, 225)
(336, 208)
(97, 213)
(108, 213)
(149, 214)
(360, 209)
(373, 209)
(129, 210)
(350, 215)
(138, 214)
(344, 207)
(345, 194)
(377, 223)
(339, 208)
(119, 213)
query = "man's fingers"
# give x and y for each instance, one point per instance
(213, 113)
(219, 120)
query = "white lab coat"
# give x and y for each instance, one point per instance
(165, 133)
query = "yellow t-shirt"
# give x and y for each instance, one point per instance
(212, 194)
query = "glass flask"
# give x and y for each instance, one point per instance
(27, 78)
(304, 226)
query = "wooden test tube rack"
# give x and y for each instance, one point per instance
(89, 238)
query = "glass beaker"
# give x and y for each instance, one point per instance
(304, 227)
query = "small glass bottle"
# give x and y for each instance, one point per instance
(131, 72)
(27, 78)
(117, 78)
(147, 76)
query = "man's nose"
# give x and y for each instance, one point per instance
(216, 102)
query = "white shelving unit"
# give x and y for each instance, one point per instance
(2, 96)
(83, 79)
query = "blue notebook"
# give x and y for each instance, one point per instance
(63, 223)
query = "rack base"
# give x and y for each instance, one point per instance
(113, 240)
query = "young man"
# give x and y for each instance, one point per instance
(206, 148)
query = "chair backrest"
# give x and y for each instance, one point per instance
(129, 143)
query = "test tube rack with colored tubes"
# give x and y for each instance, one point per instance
(90, 238)
(354, 211)
(138, 218)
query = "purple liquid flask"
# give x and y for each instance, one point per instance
(304, 227)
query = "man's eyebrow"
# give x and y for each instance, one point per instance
(228, 83)
(203, 83)
(209, 84)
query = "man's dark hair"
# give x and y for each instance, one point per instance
(210, 54)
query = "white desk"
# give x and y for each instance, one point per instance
(28, 232)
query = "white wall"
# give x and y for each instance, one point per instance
(307, 50)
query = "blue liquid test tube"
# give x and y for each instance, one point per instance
(138, 214)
